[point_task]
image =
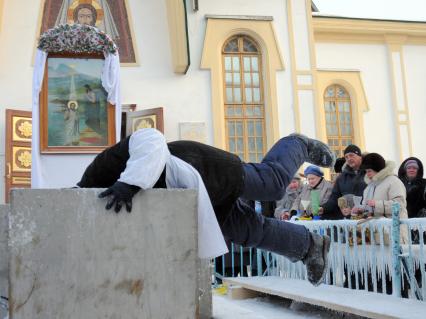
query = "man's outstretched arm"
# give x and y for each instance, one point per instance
(134, 163)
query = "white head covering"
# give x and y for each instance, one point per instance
(148, 156)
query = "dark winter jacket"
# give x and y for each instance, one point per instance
(348, 182)
(221, 171)
(416, 196)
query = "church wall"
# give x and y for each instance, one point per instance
(187, 98)
(151, 83)
(415, 71)
(372, 62)
(17, 39)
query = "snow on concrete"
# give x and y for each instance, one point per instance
(362, 303)
(270, 307)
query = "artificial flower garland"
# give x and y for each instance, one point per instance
(76, 38)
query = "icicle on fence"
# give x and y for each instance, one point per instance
(362, 256)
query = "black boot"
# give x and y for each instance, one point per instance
(318, 152)
(316, 259)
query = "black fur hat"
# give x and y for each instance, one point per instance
(339, 164)
(373, 161)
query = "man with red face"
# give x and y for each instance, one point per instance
(350, 182)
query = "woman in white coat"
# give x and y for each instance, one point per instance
(383, 189)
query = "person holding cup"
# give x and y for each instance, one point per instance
(316, 191)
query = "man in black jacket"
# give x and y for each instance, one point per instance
(350, 181)
(229, 183)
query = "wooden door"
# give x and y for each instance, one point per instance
(18, 150)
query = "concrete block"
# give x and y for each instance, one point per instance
(4, 251)
(72, 259)
(205, 272)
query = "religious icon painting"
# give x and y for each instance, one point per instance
(149, 118)
(75, 116)
(110, 16)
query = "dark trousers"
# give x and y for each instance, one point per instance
(267, 181)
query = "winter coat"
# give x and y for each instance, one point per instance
(285, 203)
(416, 190)
(348, 182)
(324, 187)
(221, 171)
(385, 189)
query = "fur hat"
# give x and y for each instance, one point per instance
(352, 149)
(373, 161)
(339, 164)
(312, 169)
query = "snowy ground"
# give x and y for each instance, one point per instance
(270, 307)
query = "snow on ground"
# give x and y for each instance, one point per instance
(270, 307)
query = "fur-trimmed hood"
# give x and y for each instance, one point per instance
(381, 175)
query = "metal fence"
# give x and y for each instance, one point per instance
(380, 255)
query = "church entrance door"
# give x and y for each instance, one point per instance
(18, 150)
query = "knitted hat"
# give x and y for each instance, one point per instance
(352, 149)
(312, 169)
(412, 163)
(339, 164)
(373, 161)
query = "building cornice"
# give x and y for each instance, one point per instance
(353, 30)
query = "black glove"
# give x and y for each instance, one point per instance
(120, 193)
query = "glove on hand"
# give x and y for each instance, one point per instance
(120, 193)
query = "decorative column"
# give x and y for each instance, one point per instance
(303, 67)
(399, 95)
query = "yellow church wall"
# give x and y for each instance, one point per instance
(217, 32)
(339, 30)
(352, 82)
(1, 13)
(393, 37)
(177, 35)
(154, 82)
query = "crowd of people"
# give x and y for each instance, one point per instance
(367, 176)
(364, 186)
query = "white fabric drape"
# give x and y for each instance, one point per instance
(42, 173)
(148, 156)
(111, 82)
(36, 167)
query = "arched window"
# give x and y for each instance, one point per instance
(338, 118)
(244, 105)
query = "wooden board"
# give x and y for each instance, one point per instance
(361, 303)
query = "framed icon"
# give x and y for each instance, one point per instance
(75, 116)
(149, 118)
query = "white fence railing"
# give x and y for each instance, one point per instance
(380, 255)
(372, 255)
